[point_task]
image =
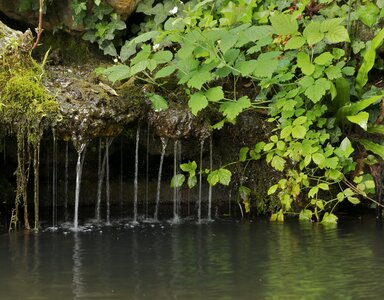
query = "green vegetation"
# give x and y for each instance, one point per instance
(304, 62)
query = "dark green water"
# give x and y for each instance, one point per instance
(221, 260)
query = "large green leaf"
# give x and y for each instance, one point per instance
(231, 109)
(284, 24)
(373, 147)
(304, 63)
(118, 72)
(177, 180)
(360, 119)
(368, 61)
(222, 176)
(158, 102)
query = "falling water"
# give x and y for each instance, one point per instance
(66, 183)
(147, 174)
(4, 152)
(176, 216)
(54, 182)
(200, 181)
(101, 171)
(164, 142)
(121, 174)
(135, 183)
(210, 187)
(107, 189)
(79, 170)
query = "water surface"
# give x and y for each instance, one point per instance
(219, 260)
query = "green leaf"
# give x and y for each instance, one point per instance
(300, 120)
(320, 204)
(139, 67)
(266, 64)
(323, 186)
(299, 131)
(158, 102)
(376, 128)
(368, 61)
(324, 59)
(222, 176)
(199, 78)
(127, 51)
(189, 167)
(192, 180)
(215, 94)
(286, 132)
(340, 196)
(166, 71)
(117, 73)
(162, 56)
(145, 36)
(177, 180)
(305, 215)
(284, 24)
(243, 154)
(368, 14)
(333, 72)
(231, 109)
(246, 67)
(313, 191)
(360, 119)
(304, 63)
(295, 42)
(278, 163)
(346, 147)
(330, 24)
(318, 158)
(272, 189)
(315, 92)
(329, 218)
(373, 147)
(353, 200)
(355, 107)
(312, 33)
(197, 102)
(337, 34)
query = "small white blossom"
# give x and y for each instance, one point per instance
(155, 47)
(115, 60)
(173, 10)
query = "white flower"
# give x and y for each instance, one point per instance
(155, 47)
(173, 10)
(115, 60)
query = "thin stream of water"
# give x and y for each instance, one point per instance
(66, 177)
(200, 181)
(108, 143)
(54, 182)
(176, 216)
(135, 183)
(210, 187)
(164, 142)
(147, 174)
(101, 175)
(79, 169)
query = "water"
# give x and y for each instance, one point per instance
(66, 177)
(54, 182)
(79, 171)
(100, 175)
(219, 260)
(107, 186)
(135, 181)
(210, 187)
(164, 142)
(200, 181)
(176, 190)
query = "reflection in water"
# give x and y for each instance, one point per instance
(77, 279)
(220, 260)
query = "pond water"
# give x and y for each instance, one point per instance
(218, 260)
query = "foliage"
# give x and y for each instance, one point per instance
(298, 58)
(102, 25)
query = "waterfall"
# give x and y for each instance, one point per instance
(121, 174)
(79, 170)
(108, 143)
(210, 187)
(164, 142)
(176, 189)
(54, 182)
(147, 174)
(135, 183)
(200, 181)
(100, 172)
(66, 183)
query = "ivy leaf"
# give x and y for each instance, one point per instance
(313, 191)
(177, 180)
(353, 200)
(231, 109)
(284, 24)
(329, 218)
(323, 186)
(215, 94)
(360, 119)
(305, 215)
(197, 102)
(192, 180)
(294, 43)
(278, 163)
(304, 63)
(243, 154)
(158, 102)
(222, 176)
